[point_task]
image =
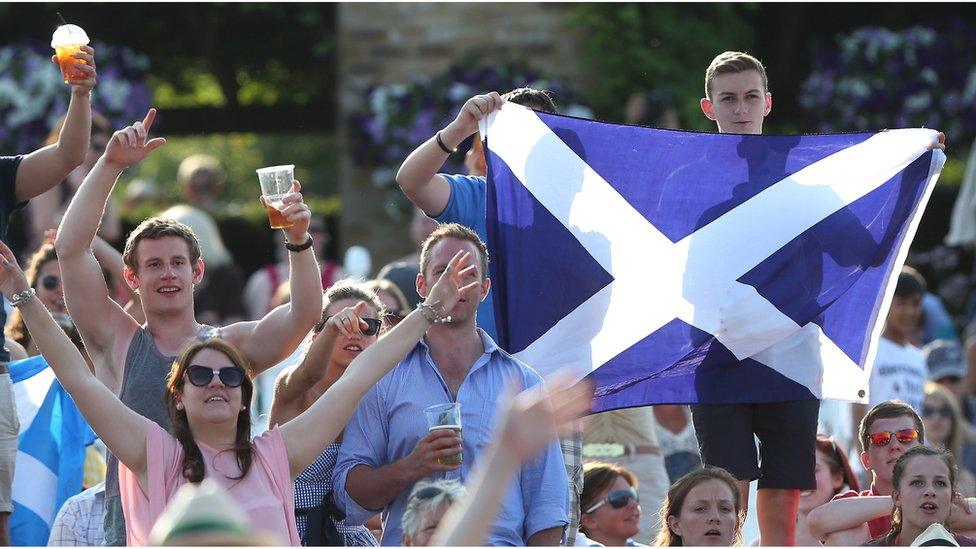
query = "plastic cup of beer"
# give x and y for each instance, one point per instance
(445, 416)
(275, 184)
(67, 41)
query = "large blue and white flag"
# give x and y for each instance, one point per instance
(681, 267)
(51, 456)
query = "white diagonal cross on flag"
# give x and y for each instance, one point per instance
(695, 279)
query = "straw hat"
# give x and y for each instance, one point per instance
(205, 514)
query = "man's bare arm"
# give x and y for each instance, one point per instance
(418, 175)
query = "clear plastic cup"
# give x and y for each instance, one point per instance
(275, 184)
(67, 41)
(445, 416)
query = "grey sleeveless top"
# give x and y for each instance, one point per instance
(144, 391)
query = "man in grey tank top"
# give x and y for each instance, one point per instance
(163, 263)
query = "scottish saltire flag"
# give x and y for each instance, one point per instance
(51, 456)
(681, 267)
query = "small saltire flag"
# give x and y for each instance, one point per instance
(682, 267)
(51, 455)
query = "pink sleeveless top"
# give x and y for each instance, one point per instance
(267, 493)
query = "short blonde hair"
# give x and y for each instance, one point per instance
(730, 62)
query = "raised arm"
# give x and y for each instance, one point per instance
(121, 429)
(846, 513)
(291, 388)
(528, 424)
(418, 175)
(309, 433)
(46, 167)
(99, 319)
(270, 340)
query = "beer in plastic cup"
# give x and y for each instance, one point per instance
(67, 41)
(275, 184)
(445, 416)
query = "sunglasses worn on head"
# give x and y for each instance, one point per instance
(944, 411)
(372, 328)
(617, 499)
(201, 376)
(50, 282)
(884, 437)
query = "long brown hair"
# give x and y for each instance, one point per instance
(891, 537)
(679, 492)
(193, 466)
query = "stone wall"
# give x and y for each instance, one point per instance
(390, 43)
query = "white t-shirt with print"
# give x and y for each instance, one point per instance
(898, 372)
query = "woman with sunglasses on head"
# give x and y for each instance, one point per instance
(296, 389)
(923, 494)
(944, 426)
(206, 397)
(834, 475)
(702, 509)
(610, 506)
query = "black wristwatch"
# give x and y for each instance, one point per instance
(299, 247)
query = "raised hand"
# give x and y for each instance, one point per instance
(12, 279)
(85, 85)
(535, 416)
(295, 211)
(475, 109)
(454, 283)
(131, 144)
(349, 321)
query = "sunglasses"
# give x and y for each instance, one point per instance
(50, 282)
(617, 499)
(373, 325)
(944, 411)
(884, 437)
(201, 376)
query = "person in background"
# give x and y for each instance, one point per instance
(403, 272)
(395, 305)
(79, 521)
(428, 502)
(261, 288)
(201, 180)
(610, 506)
(944, 425)
(702, 509)
(676, 437)
(834, 476)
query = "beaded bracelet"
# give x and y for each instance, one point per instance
(431, 315)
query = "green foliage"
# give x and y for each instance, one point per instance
(314, 156)
(666, 47)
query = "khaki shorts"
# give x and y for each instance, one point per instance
(9, 429)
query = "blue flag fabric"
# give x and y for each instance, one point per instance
(51, 453)
(681, 267)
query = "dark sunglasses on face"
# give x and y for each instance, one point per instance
(373, 325)
(617, 499)
(944, 411)
(884, 437)
(201, 376)
(50, 282)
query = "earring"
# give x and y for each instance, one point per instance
(179, 405)
(243, 408)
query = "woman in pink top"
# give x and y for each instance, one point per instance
(207, 392)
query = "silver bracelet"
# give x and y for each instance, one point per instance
(20, 298)
(431, 315)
